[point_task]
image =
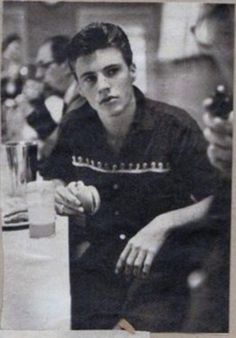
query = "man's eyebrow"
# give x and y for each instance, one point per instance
(105, 68)
(112, 65)
(87, 74)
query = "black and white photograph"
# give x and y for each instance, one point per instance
(116, 166)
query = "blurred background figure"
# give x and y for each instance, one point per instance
(50, 93)
(11, 76)
(12, 80)
(47, 90)
(209, 311)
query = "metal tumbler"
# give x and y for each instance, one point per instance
(18, 166)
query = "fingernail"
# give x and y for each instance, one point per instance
(78, 203)
(81, 209)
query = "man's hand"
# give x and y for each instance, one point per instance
(218, 133)
(137, 257)
(66, 201)
(32, 89)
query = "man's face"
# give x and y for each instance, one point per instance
(13, 52)
(105, 81)
(44, 61)
(216, 37)
(55, 77)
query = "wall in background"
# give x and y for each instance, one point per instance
(185, 83)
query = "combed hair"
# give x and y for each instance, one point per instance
(99, 36)
(9, 39)
(59, 44)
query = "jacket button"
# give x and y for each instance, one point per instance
(122, 237)
(115, 186)
(117, 213)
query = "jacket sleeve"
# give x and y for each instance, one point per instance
(40, 119)
(59, 164)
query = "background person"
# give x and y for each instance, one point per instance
(147, 161)
(52, 92)
(209, 311)
(12, 81)
(11, 77)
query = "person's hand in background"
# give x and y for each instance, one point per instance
(219, 133)
(33, 89)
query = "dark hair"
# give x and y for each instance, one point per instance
(59, 45)
(222, 12)
(98, 36)
(9, 39)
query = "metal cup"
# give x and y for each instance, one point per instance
(18, 166)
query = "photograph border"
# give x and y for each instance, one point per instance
(232, 312)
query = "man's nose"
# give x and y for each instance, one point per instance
(39, 75)
(102, 83)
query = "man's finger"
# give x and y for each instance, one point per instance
(217, 124)
(73, 188)
(223, 141)
(130, 260)
(122, 258)
(60, 201)
(138, 264)
(147, 263)
(217, 153)
(64, 210)
(67, 197)
(65, 200)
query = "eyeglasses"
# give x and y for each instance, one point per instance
(45, 65)
(203, 33)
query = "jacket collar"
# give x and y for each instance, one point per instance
(143, 119)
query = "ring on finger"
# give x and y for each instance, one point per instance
(61, 208)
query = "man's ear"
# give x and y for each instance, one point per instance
(80, 90)
(132, 70)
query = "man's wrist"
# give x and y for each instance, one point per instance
(58, 183)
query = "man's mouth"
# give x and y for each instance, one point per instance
(108, 99)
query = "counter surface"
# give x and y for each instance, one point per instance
(36, 280)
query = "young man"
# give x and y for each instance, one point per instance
(147, 161)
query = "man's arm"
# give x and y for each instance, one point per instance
(138, 254)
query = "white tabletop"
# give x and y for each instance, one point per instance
(36, 280)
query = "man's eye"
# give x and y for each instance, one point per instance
(112, 71)
(90, 79)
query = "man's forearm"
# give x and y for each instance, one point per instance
(180, 217)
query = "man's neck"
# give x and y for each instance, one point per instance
(117, 132)
(120, 126)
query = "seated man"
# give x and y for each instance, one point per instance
(147, 161)
(51, 92)
(209, 310)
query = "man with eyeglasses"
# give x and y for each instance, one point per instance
(51, 92)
